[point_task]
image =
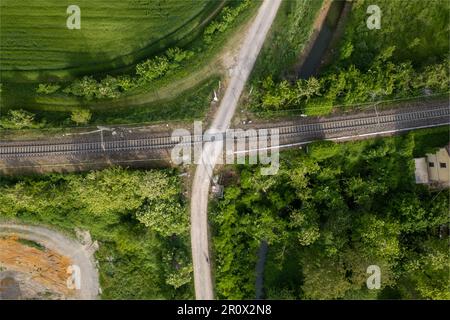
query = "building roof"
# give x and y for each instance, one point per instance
(421, 172)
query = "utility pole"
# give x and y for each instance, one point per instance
(102, 141)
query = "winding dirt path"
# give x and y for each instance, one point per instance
(249, 52)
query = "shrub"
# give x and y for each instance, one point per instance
(81, 116)
(85, 87)
(47, 88)
(18, 119)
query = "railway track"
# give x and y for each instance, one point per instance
(308, 127)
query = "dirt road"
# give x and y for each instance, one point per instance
(250, 49)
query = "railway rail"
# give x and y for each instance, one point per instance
(291, 133)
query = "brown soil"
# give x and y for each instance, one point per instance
(44, 266)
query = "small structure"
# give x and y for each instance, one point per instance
(421, 172)
(217, 189)
(434, 168)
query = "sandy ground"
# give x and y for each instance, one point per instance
(38, 272)
(42, 272)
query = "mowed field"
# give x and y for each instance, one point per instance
(36, 44)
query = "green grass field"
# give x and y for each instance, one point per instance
(36, 44)
(181, 94)
(419, 30)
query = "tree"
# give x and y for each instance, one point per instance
(435, 77)
(18, 119)
(180, 277)
(324, 277)
(134, 261)
(280, 294)
(306, 222)
(108, 88)
(306, 89)
(165, 217)
(227, 17)
(125, 82)
(377, 237)
(346, 50)
(81, 116)
(108, 193)
(153, 69)
(341, 208)
(47, 88)
(85, 87)
(278, 96)
(430, 270)
(177, 55)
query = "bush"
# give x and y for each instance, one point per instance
(47, 88)
(18, 119)
(112, 87)
(227, 18)
(152, 69)
(81, 116)
(85, 87)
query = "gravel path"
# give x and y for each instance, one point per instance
(250, 49)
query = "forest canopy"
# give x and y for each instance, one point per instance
(332, 211)
(139, 219)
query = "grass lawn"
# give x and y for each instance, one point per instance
(37, 45)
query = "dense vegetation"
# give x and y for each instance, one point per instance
(347, 88)
(138, 218)
(330, 212)
(111, 35)
(407, 57)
